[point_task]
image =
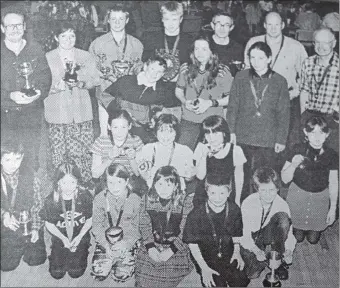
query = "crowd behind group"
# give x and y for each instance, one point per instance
(197, 138)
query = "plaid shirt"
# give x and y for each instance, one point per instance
(13, 180)
(323, 97)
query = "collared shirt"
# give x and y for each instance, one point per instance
(141, 80)
(251, 209)
(289, 61)
(323, 97)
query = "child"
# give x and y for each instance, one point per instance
(68, 217)
(165, 152)
(216, 156)
(212, 231)
(120, 206)
(313, 169)
(163, 259)
(20, 191)
(119, 147)
(266, 225)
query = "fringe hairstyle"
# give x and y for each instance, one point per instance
(212, 66)
(265, 175)
(68, 167)
(170, 174)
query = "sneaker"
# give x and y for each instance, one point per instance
(282, 271)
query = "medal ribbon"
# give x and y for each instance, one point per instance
(319, 83)
(109, 216)
(278, 53)
(166, 46)
(69, 225)
(258, 100)
(124, 48)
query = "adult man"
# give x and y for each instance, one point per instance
(320, 84)
(173, 46)
(287, 59)
(21, 113)
(229, 51)
(118, 46)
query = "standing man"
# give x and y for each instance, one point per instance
(228, 50)
(320, 84)
(22, 114)
(117, 46)
(287, 58)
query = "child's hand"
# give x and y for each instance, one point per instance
(10, 222)
(260, 255)
(35, 236)
(207, 276)
(154, 254)
(237, 256)
(66, 242)
(297, 160)
(130, 153)
(166, 254)
(115, 152)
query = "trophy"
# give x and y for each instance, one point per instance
(71, 72)
(114, 234)
(272, 279)
(238, 64)
(25, 69)
(102, 67)
(121, 67)
(24, 219)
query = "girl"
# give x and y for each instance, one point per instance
(203, 88)
(68, 217)
(215, 156)
(117, 205)
(258, 112)
(118, 147)
(165, 152)
(163, 259)
(313, 169)
(68, 108)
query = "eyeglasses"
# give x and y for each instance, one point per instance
(17, 26)
(219, 24)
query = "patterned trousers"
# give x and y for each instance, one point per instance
(72, 142)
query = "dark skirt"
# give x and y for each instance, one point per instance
(149, 273)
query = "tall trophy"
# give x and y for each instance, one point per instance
(272, 279)
(114, 234)
(25, 69)
(102, 67)
(24, 220)
(71, 75)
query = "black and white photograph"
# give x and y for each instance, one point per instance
(170, 143)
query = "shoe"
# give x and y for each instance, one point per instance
(282, 271)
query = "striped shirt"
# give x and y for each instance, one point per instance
(103, 145)
(323, 93)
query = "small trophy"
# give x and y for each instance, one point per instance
(71, 72)
(238, 64)
(24, 219)
(121, 67)
(114, 234)
(272, 279)
(25, 69)
(102, 67)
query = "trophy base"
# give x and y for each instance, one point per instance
(29, 92)
(70, 79)
(268, 283)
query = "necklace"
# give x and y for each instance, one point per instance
(278, 53)
(258, 100)
(217, 240)
(166, 46)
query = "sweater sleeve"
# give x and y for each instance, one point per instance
(282, 114)
(145, 225)
(233, 105)
(43, 74)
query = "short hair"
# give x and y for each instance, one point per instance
(118, 6)
(273, 13)
(17, 9)
(118, 170)
(264, 175)
(11, 144)
(324, 29)
(222, 13)
(63, 26)
(261, 46)
(217, 180)
(317, 121)
(167, 119)
(214, 124)
(156, 58)
(172, 7)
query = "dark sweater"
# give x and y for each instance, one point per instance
(272, 126)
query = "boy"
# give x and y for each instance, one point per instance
(212, 232)
(20, 191)
(267, 225)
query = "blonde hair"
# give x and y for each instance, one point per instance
(172, 7)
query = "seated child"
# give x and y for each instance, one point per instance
(313, 193)
(20, 191)
(68, 217)
(163, 260)
(266, 225)
(116, 206)
(212, 231)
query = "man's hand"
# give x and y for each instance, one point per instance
(237, 256)
(279, 147)
(35, 236)
(10, 222)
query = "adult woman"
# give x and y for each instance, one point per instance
(68, 109)
(258, 111)
(203, 87)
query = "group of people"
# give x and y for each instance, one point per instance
(194, 148)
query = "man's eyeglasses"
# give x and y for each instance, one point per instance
(16, 26)
(219, 24)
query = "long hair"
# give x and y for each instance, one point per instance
(68, 167)
(212, 66)
(169, 174)
(116, 114)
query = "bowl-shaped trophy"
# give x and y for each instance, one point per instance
(238, 64)
(24, 219)
(25, 69)
(105, 70)
(121, 67)
(114, 234)
(172, 63)
(71, 75)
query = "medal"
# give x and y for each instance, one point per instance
(258, 99)
(258, 114)
(219, 255)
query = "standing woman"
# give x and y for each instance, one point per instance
(258, 112)
(203, 88)
(68, 108)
